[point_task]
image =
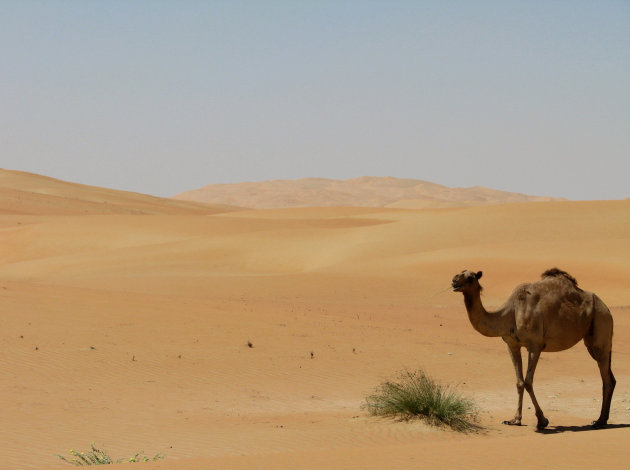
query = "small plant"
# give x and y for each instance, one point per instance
(93, 457)
(143, 458)
(100, 457)
(416, 395)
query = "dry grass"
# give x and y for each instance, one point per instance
(97, 456)
(416, 395)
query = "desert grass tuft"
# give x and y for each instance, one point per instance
(98, 456)
(416, 395)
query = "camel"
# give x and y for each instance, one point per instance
(549, 315)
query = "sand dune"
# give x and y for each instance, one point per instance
(132, 331)
(27, 193)
(366, 191)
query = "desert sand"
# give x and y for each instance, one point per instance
(126, 321)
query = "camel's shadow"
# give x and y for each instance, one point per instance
(587, 427)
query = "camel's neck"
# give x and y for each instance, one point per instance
(499, 323)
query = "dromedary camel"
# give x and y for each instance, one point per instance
(551, 315)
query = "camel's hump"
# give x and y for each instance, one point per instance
(555, 272)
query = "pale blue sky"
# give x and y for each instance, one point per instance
(164, 96)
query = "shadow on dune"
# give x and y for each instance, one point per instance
(587, 427)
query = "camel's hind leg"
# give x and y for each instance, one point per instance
(608, 384)
(598, 341)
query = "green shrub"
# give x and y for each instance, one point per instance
(100, 457)
(416, 395)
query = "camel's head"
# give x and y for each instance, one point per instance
(466, 280)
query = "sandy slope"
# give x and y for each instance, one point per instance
(27, 193)
(132, 331)
(366, 191)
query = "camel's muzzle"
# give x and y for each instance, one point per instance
(459, 281)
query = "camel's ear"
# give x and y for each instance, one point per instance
(478, 275)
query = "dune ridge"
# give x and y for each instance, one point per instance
(366, 191)
(28, 193)
(249, 338)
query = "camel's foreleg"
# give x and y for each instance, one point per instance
(532, 361)
(517, 361)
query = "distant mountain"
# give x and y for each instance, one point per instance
(366, 191)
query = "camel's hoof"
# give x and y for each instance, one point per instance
(542, 423)
(513, 422)
(599, 424)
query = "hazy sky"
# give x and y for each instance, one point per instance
(164, 96)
